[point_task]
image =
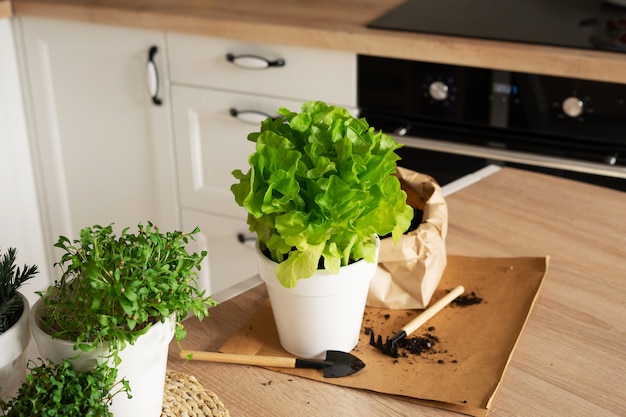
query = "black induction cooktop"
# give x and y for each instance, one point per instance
(583, 24)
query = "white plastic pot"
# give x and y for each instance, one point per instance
(143, 365)
(13, 344)
(321, 313)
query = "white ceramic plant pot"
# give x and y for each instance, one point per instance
(321, 313)
(13, 344)
(143, 365)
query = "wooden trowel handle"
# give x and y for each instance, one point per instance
(418, 321)
(275, 361)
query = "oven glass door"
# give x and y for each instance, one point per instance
(454, 118)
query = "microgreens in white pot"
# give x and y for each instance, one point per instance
(58, 390)
(114, 288)
(321, 183)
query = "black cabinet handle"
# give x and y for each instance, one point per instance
(248, 61)
(243, 238)
(153, 77)
(254, 117)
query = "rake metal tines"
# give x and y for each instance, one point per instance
(390, 347)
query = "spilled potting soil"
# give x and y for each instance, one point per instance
(427, 345)
(467, 300)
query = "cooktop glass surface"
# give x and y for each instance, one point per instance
(586, 24)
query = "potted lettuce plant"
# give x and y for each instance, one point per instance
(320, 190)
(120, 300)
(14, 331)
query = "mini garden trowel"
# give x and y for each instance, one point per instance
(390, 347)
(336, 364)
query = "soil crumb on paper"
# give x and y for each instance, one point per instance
(465, 300)
(418, 345)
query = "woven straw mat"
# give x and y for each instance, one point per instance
(184, 396)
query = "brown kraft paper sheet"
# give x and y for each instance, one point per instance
(475, 342)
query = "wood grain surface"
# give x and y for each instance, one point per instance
(570, 359)
(5, 8)
(330, 24)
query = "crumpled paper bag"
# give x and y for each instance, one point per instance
(409, 271)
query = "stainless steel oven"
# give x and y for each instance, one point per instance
(455, 120)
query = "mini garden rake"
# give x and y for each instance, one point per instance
(390, 347)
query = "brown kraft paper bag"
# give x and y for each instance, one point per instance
(409, 271)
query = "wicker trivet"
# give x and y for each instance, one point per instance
(184, 396)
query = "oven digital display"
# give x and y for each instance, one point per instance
(504, 88)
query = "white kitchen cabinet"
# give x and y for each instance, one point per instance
(103, 148)
(208, 90)
(211, 143)
(20, 225)
(230, 267)
(304, 73)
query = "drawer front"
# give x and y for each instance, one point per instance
(211, 143)
(307, 74)
(230, 267)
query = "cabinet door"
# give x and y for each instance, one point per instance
(230, 267)
(20, 223)
(211, 143)
(104, 149)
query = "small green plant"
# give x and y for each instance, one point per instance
(320, 184)
(59, 390)
(114, 288)
(11, 279)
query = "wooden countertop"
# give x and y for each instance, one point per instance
(5, 8)
(570, 359)
(331, 24)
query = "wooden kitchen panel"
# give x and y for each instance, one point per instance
(335, 25)
(5, 8)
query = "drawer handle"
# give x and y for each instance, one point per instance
(243, 238)
(153, 77)
(254, 61)
(254, 117)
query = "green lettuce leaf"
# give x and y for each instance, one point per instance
(320, 184)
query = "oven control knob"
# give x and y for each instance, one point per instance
(438, 90)
(573, 106)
